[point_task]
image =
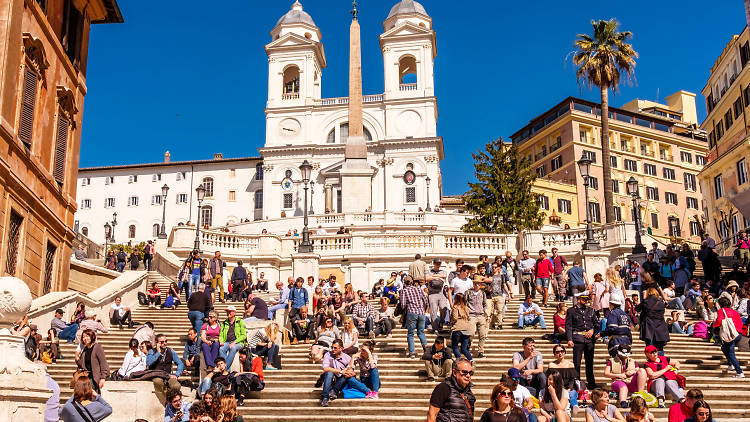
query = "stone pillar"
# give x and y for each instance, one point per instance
(595, 262)
(23, 384)
(305, 264)
(329, 198)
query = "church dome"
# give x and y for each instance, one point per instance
(296, 15)
(406, 7)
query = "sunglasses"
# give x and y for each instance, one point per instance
(466, 373)
(505, 394)
(559, 351)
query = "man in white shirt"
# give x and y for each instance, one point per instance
(321, 231)
(310, 287)
(462, 282)
(658, 253)
(526, 264)
(120, 313)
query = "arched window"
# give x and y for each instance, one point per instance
(343, 134)
(155, 230)
(85, 231)
(207, 216)
(131, 231)
(407, 71)
(291, 83)
(208, 184)
(258, 199)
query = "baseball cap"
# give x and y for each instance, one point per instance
(651, 349)
(615, 301)
(437, 261)
(231, 308)
(624, 350)
(514, 373)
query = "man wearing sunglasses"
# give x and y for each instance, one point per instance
(452, 399)
(162, 357)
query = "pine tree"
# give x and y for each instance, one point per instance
(501, 199)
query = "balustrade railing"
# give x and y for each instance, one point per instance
(345, 100)
(488, 243)
(408, 87)
(398, 241)
(220, 240)
(329, 218)
(292, 96)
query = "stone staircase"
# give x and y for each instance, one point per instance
(290, 394)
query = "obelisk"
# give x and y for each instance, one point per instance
(356, 174)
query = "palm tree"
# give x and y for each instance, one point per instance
(601, 60)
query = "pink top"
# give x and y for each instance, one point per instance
(211, 332)
(600, 295)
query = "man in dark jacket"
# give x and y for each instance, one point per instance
(239, 281)
(122, 257)
(303, 326)
(452, 399)
(438, 360)
(582, 329)
(197, 305)
(618, 325)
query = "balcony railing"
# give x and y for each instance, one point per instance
(345, 100)
(408, 87)
(290, 96)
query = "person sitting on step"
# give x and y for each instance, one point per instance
(662, 375)
(191, 352)
(384, 319)
(438, 360)
(363, 315)
(303, 326)
(530, 364)
(327, 333)
(263, 343)
(250, 376)
(219, 376)
(367, 361)
(529, 314)
(162, 357)
(120, 313)
(337, 374)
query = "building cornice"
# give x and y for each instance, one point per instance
(170, 164)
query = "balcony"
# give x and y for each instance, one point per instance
(345, 100)
(290, 96)
(408, 87)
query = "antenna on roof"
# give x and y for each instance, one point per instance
(657, 95)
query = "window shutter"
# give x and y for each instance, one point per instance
(28, 103)
(61, 145)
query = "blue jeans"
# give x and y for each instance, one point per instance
(537, 320)
(415, 321)
(194, 280)
(372, 381)
(228, 352)
(728, 350)
(459, 338)
(210, 352)
(205, 385)
(272, 310)
(676, 303)
(269, 351)
(677, 329)
(336, 384)
(120, 266)
(68, 333)
(368, 323)
(196, 319)
(186, 285)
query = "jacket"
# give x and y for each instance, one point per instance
(98, 408)
(99, 366)
(163, 362)
(240, 332)
(214, 267)
(460, 319)
(430, 352)
(455, 408)
(578, 320)
(653, 325)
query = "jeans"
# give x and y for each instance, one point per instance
(205, 385)
(270, 351)
(461, 344)
(414, 321)
(210, 352)
(728, 350)
(185, 285)
(336, 384)
(228, 352)
(368, 323)
(68, 333)
(537, 383)
(537, 320)
(676, 303)
(147, 261)
(194, 280)
(677, 329)
(272, 310)
(196, 319)
(120, 266)
(372, 380)
(384, 327)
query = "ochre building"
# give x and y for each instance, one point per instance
(43, 56)
(658, 144)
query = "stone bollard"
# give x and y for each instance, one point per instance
(23, 384)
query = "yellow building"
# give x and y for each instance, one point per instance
(658, 144)
(558, 201)
(725, 175)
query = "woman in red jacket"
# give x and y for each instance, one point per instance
(727, 347)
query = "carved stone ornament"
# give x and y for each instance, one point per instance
(67, 102)
(431, 158)
(34, 50)
(268, 168)
(15, 301)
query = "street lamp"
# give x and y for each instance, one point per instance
(305, 247)
(632, 187)
(114, 223)
(312, 192)
(162, 231)
(427, 180)
(584, 166)
(200, 193)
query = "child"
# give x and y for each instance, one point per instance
(639, 411)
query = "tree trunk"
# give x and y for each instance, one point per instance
(607, 172)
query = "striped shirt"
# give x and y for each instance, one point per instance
(259, 336)
(414, 300)
(363, 311)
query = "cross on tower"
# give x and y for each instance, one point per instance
(354, 9)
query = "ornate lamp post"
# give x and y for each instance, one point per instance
(107, 234)
(427, 181)
(584, 166)
(200, 193)
(305, 247)
(632, 187)
(114, 224)
(312, 191)
(162, 231)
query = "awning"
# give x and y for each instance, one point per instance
(741, 201)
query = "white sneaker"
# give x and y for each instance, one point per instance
(389, 336)
(730, 368)
(740, 375)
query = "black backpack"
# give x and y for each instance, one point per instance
(30, 348)
(142, 299)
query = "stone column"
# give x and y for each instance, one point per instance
(329, 198)
(23, 384)
(595, 262)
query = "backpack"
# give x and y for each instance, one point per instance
(727, 331)
(700, 330)
(30, 348)
(142, 299)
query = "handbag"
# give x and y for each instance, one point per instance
(86, 416)
(76, 375)
(727, 331)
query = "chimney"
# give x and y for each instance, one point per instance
(167, 156)
(218, 156)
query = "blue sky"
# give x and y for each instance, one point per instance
(192, 79)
